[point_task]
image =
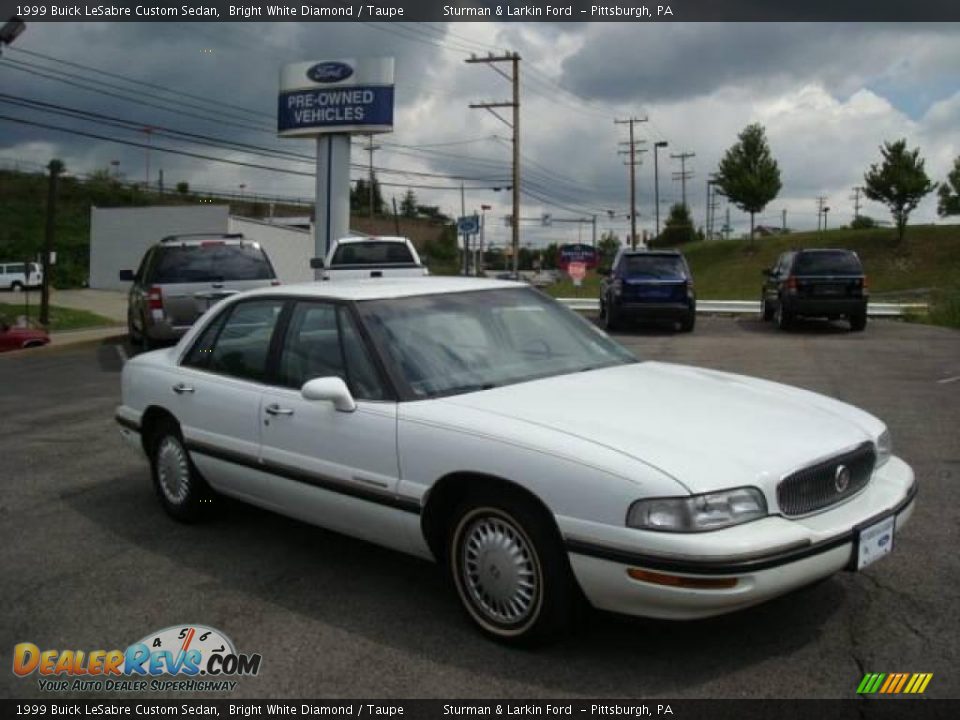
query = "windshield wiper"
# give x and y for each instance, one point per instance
(467, 388)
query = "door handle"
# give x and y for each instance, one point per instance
(275, 409)
(180, 389)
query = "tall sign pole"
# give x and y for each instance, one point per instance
(330, 100)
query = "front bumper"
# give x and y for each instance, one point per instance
(767, 557)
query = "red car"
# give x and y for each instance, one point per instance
(15, 338)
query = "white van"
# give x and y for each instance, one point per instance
(20, 276)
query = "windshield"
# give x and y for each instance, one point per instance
(462, 342)
(372, 253)
(657, 266)
(211, 263)
(827, 263)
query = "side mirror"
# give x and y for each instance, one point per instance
(126, 275)
(316, 263)
(331, 389)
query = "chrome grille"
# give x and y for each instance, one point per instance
(816, 487)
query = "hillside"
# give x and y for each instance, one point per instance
(23, 213)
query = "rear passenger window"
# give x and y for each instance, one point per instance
(243, 344)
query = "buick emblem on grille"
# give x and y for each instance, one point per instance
(841, 478)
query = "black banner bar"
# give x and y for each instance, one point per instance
(892, 708)
(484, 11)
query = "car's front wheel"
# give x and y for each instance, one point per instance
(16, 286)
(183, 492)
(510, 570)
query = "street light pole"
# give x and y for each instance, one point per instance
(656, 182)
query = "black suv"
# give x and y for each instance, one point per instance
(650, 285)
(183, 275)
(815, 283)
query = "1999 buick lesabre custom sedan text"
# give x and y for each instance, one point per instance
(482, 424)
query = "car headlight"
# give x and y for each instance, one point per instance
(884, 446)
(697, 513)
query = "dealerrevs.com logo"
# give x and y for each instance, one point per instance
(189, 658)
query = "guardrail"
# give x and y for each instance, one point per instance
(752, 307)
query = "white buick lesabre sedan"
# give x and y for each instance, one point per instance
(481, 424)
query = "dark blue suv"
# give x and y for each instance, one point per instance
(648, 285)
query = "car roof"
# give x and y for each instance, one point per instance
(371, 238)
(383, 288)
(825, 250)
(633, 253)
(198, 238)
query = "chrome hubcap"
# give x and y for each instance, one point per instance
(500, 570)
(173, 470)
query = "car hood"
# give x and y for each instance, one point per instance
(708, 430)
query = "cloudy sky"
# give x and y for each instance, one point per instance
(828, 94)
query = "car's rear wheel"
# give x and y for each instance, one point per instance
(183, 492)
(766, 312)
(16, 287)
(783, 317)
(510, 570)
(858, 322)
(689, 322)
(611, 317)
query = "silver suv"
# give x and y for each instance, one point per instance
(182, 276)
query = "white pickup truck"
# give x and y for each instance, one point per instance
(353, 258)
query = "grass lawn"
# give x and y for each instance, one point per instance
(60, 318)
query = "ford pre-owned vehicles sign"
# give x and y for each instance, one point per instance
(329, 72)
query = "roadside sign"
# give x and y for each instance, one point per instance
(577, 271)
(468, 224)
(336, 96)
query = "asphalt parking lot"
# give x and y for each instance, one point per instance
(89, 560)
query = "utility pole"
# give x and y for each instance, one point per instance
(783, 222)
(683, 175)
(656, 182)
(160, 183)
(370, 149)
(632, 163)
(146, 176)
(514, 78)
(856, 201)
(593, 234)
(396, 218)
(821, 202)
(466, 237)
(55, 167)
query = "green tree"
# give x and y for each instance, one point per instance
(678, 229)
(862, 222)
(408, 206)
(551, 256)
(748, 174)
(949, 201)
(183, 188)
(899, 182)
(607, 247)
